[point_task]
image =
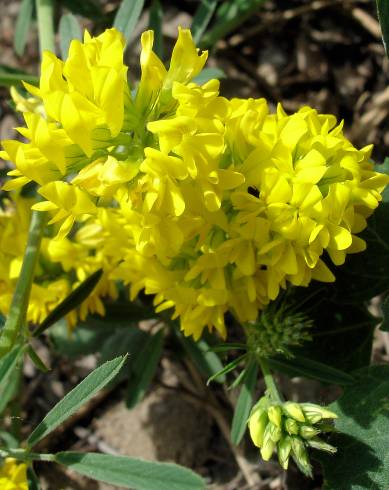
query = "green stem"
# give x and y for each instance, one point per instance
(269, 380)
(17, 315)
(45, 14)
(23, 455)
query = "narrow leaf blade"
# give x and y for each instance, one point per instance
(71, 302)
(244, 404)
(22, 26)
(83, 392)
(206, 361)
(202, 18)
(302, 366)
(127, 16)
(69, 29)
(131, 473)
(383, 17)
(155, 24)
(144, 368)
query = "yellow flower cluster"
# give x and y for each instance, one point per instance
(212, 205)
(63, 264)
(13, 475)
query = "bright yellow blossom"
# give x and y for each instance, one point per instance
(13, 475)
(209, 204)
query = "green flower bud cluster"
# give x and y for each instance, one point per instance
(276, 330)
(290, 429)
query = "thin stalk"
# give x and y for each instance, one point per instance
(23, 455)
(17, 315)
(45, 15)
(269, 380)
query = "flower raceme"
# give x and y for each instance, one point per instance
(209, 204)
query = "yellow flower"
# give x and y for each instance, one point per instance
(13, 475)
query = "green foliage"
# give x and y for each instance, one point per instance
(93, 383)
(75, 299)
(228, 368)
(127, 16)
(301, 366)
(23, 25)
(202, 18)
(144, 368)
(13, 76)
(383, 16)
(207, 362)
(363, 438)
(244, 403)
(208, 74)
(131, 473)
(155, 23)
(69, 29)
(230, 15)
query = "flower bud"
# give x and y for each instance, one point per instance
(267, 448)
(283, 448)
(275, 413)
(291, 427)
(257, 424)
(301, 456)
(319, 444)
(293, 410)
(314, 413)
(307, 431)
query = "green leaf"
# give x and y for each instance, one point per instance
(244, 403)
(22, 26)
(69, 29)
(155, 24)
(229, 367)
(131, 473)
(385, 313)
(12, 76)
(301, 366)
(83, 392)
(128, 340)
(71, 302)
(9, 362)
(363, 439)
(230, 15)
(202, 18)
(144, 368)
(37, 361)
(127, 16)
(87, 8)
(341, 334)
(383, 17)
(206, 361)
(33, 481)
(209, 74)
(228, 347)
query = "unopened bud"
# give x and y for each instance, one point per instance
(267, 448)
(257, 425)
(275, 414)
(314, 413)
(293, 410)
(283, 448)
(291, 427)
(318, 443)
(307, 431)
(301, 456)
